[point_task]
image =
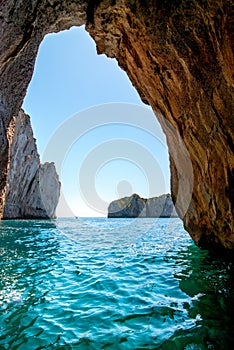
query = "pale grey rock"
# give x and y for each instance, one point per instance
(161, 206)
(32, 188)
(135, 206)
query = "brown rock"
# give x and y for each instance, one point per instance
(179, 56)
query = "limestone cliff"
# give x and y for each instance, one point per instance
(32, 188)
(179, 56)
(135, 206)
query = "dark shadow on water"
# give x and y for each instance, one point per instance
(50, 223)
(210, 284)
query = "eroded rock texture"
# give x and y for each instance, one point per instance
(32, 188)
(135, 206)
(179, 56)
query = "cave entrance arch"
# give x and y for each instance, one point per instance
(179, 56)
(69, 76)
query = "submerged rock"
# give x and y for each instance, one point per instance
(135, 206)
(32, 188)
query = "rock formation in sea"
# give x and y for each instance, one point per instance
(179, 56)
(135, 206)
(32, 188)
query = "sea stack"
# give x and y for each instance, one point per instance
(33, 188)
(135, 206)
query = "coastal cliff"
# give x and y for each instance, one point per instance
(135, 206)
(179, 56)
(32, 188)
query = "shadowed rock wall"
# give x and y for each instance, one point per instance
(179, 56)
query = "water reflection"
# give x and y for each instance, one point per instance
(210, 284)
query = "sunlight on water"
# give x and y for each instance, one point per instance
(111, 284)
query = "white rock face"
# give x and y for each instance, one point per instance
(33, 189)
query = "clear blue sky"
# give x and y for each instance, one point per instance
(113, 143)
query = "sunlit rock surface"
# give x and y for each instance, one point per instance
(135, 206)
(32, 188)
(179, 56)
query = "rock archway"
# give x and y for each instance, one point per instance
(179, 56)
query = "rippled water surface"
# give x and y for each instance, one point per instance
(111, 284)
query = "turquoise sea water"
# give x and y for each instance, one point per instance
(111, 284)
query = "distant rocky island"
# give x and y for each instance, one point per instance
(135, 206)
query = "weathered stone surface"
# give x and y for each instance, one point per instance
(32, 188)
(135, 206)
(179, 56)
(161, 206)
(127, 207)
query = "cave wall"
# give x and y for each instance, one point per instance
(179, 56)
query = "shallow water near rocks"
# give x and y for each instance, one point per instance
(97, 283)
